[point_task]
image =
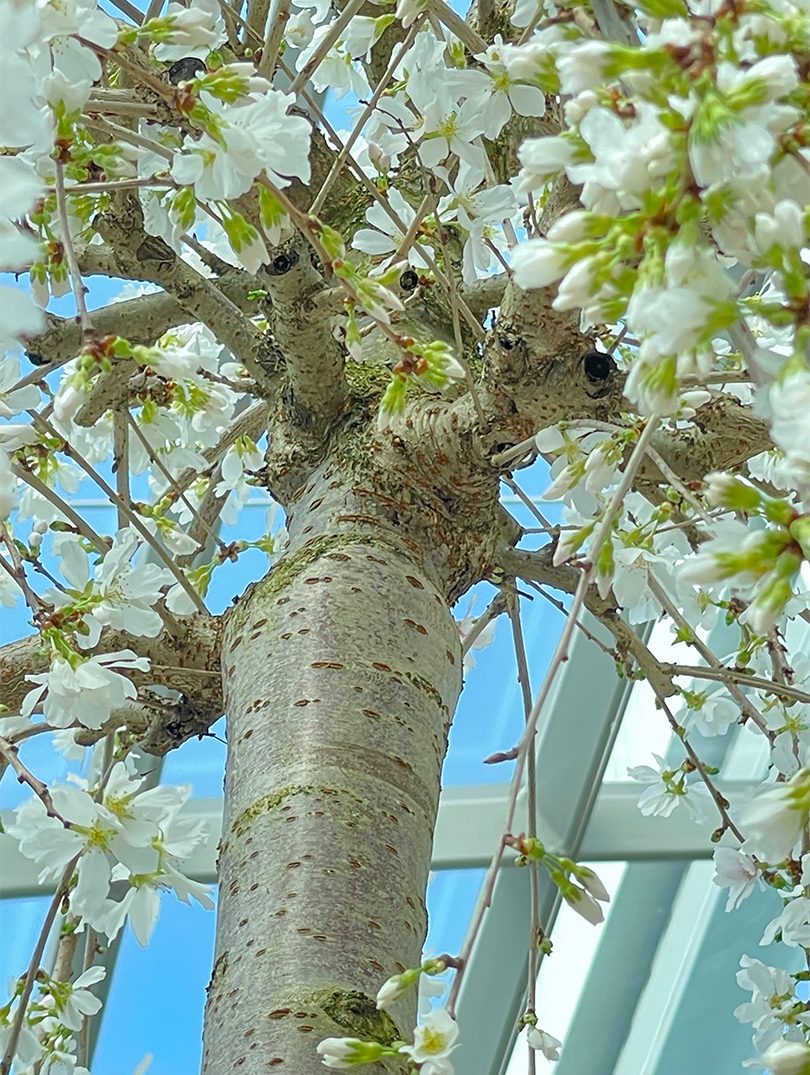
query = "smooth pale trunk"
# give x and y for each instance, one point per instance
(341, 673)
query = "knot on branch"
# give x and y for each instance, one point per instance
(283, 262)
(599, 368)
(185, 70)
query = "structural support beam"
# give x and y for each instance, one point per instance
(620, 968)
(684, 1017)
(469, 826)
(578, 725)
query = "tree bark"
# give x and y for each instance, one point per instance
(341, 673)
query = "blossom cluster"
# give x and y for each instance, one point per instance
(85, 839)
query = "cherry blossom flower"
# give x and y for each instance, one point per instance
(711, 715)
(72, 1002)
(259, 136)
(28, 1050)
(450, 129)
(338, 71)
(84, 690)
(792, 926)
(192, 31)
(120, 594)
(434, 1037)
(430, 987)
(78, 65)
(666, 789)
(500, 94)
(299, 30)
(735, 871)
(84, 828)
(385, 237)
(13, 400)
(27, 121)
(629, 159)
(784, 1058)
(341, 1053)
(537, 263)
(544, 1043)
(773, 1001)
(584, 904)
(19, 317)
(774, 820)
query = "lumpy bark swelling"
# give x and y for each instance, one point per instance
(341, 671)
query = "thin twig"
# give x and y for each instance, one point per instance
(33, 967)
(494, 609)
(127, 512)
(25, 776)
(120, 464)
(369, 187)
(560, 607)
(325, 44)
(75, 273)
(16, 569)
(535, 924)
(457, 26)
(559, 657)
(721, 674)
(687, 631)
(510, 483)
(454, 309)
(719, 800)
(275, 34)
(179, 494)
(113, 185)
(679, 486)
(371, 104)
(82, 527)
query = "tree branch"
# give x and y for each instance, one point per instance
(186, 661)
(141, 320)
(122, 227)
(301, 323)
(538, 566)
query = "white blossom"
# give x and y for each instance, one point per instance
(772, 1003)
(85, 690)
(544, 1043)
(773, 820)
(193, 31)
(75, 1001)
(735, 871)
(385, 237)
(434, 1038)
(785, 1058)
(258, 136)
(792, 926)
(666, 789)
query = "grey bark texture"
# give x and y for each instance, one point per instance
(342, 671)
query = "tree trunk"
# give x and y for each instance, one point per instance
(341, 673)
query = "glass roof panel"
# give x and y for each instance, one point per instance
(563, 974)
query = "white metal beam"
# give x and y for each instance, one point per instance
(468, 829)
(683, 1020)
